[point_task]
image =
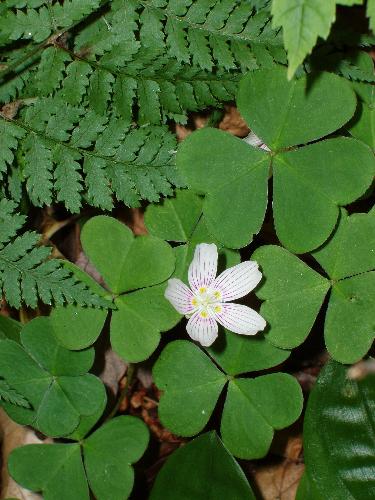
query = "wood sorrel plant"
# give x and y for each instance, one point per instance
(93, 98)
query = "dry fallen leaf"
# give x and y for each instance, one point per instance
(279, 480)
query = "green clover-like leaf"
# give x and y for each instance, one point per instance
(253, 408)
(202, 469)
(288, 113)
(293, 292)
(180, 219)
(293, 295)
(339, 435)
(233, 177)
(133, 269)
(310, 182)
(125, 262)
(57, 469)
(54, 380)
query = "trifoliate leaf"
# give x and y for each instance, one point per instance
(53, 379)
(191, 385)
(102, 462)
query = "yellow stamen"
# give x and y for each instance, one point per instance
(217, 309)
(217, 295)
(204, 314)
(194, 302)
(202, 289)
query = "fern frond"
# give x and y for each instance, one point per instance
(37, 19)
(9, 395)
(68, 155)
(208, 33)
(25, 272)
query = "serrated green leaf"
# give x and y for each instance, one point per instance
(303, 21)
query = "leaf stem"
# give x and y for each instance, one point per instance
(130, 373)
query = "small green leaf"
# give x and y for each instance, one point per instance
(174, 219)
(126, 263)
(233, 176)
(349, 328)
(269, 402)
(293, 295)
(149, 261)
(339, 435)
(191, 385)
(199, 470)
(109, 453)
(284, 113)
(77, 327)
(311, 183)
(303, 21)
(138, 321)
(107, 253)
(54, 469)
(350, 250)
(238, 354)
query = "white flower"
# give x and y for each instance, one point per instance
(206, 302)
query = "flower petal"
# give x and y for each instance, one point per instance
(180, 296)
(240, 319)
(203, 330)
(203, 267)
(237, 281)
